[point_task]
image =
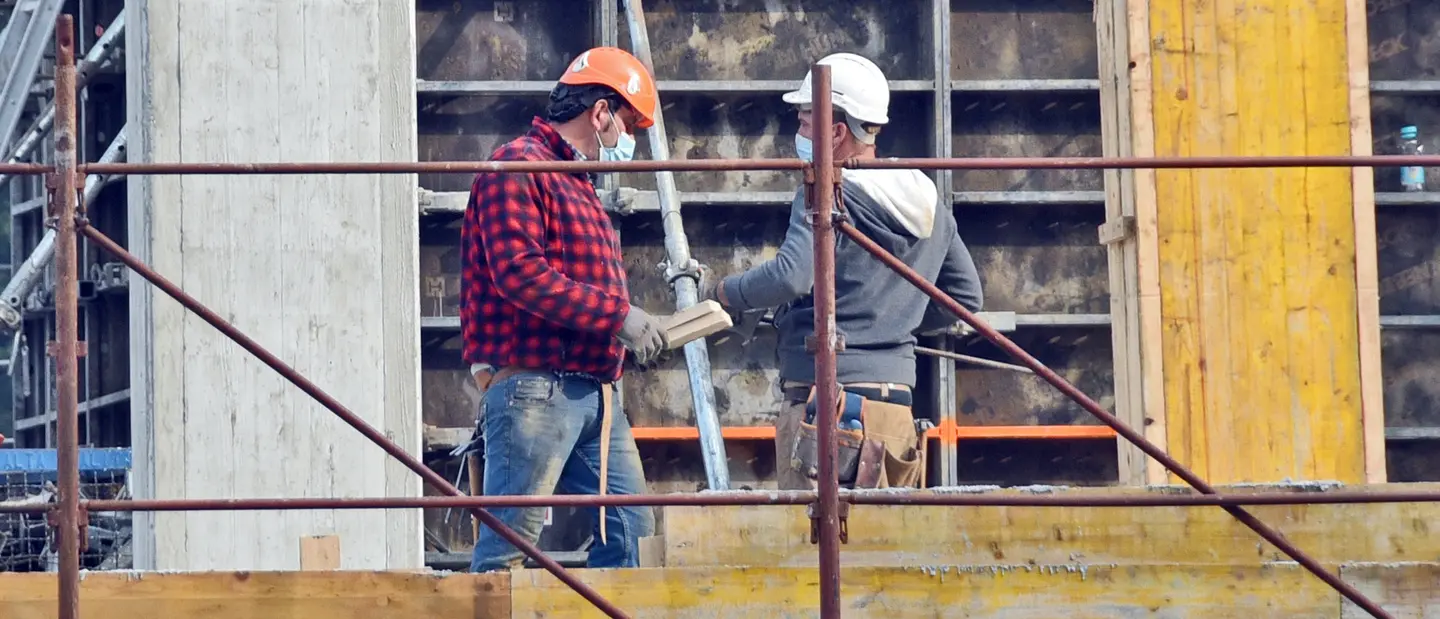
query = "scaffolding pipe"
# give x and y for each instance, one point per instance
(937, 497)
(432, 478)
(1079, 397)
(683, 274)
(32, 270)
(24, 38)
(821, 194)
(67, 316)
(97, 57)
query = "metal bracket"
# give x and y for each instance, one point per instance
(813, 513)
(52, 348)
(837, 217)
(691, 270)
(82, 524)
(812, 345)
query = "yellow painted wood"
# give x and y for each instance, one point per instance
(910, 535)
(267, 595)
(1405, 590)
(1256, 267)
(929, 591)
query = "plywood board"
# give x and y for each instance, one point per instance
(1405, 590)
(1022, 39)
(919, 535)
(931, 590)
(246, 595)
(1027, 125)
(498, 40)
(1258, 287)
(990, 397)
(765, 40)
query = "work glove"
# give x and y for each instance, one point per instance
(709, 286)
(643, 335)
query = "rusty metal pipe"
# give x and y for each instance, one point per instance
(350, 418)
(442, 167)
(936, 497)
(723, 165)
(66, 347)
(459, 502)
(821, 194)
(25, 169)
(1140, 163)
(1070, 391)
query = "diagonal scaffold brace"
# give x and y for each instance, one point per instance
(682, 271)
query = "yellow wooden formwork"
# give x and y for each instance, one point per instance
(1029, 592)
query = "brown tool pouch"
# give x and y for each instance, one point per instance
(883, 454)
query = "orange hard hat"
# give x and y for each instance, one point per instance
(616, 68)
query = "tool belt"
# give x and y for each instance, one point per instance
(883, 453)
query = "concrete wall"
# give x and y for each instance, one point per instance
(319, 269)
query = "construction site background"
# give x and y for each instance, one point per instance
(1065, 257)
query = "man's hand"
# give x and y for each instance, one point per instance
(643, 335)
(712, 288)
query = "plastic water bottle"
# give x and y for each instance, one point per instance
(1412, 178)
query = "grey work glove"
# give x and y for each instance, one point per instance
(643, 335)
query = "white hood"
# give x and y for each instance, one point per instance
(909, 195)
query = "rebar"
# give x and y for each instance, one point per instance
(63, 198)
(295, 378)
(1070, 391)
(822, 188)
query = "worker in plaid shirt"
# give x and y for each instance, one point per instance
(546, 315)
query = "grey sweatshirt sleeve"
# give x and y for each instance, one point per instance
(959, 279)
(784, 278)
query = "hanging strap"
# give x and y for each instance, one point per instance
(607, 418)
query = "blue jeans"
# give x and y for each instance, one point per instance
(542, 430)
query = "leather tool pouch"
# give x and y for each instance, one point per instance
(848, 443)
(893, 427)
(884, 453)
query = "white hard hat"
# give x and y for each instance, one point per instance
(856, 86)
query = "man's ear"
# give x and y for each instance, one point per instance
(840, 132)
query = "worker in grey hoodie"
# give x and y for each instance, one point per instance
(876, 311)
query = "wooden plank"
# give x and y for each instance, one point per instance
(1367, 271)
(1260, 345)
(910, 535)
(319, 553)
(1114, 54)
(245, 595)
(1405, 590)
(1147, 237)
(928, 590)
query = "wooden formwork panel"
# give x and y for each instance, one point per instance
(990, 397)
(1022, 39)
(882, 535)
(1403, 38)
(1027, 124)
(499, 40)
(1038, 259)
(918, 591)
(770, 40)
(927, 591)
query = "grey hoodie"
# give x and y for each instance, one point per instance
(876, 310)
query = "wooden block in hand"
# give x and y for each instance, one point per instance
(697, 321)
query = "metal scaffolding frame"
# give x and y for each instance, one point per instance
(828, 506)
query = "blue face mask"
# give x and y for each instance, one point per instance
(802, 148)
(624, 148)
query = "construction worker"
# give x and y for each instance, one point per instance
(876, 312)
(546, 314)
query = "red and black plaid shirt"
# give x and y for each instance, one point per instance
(543, 285)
